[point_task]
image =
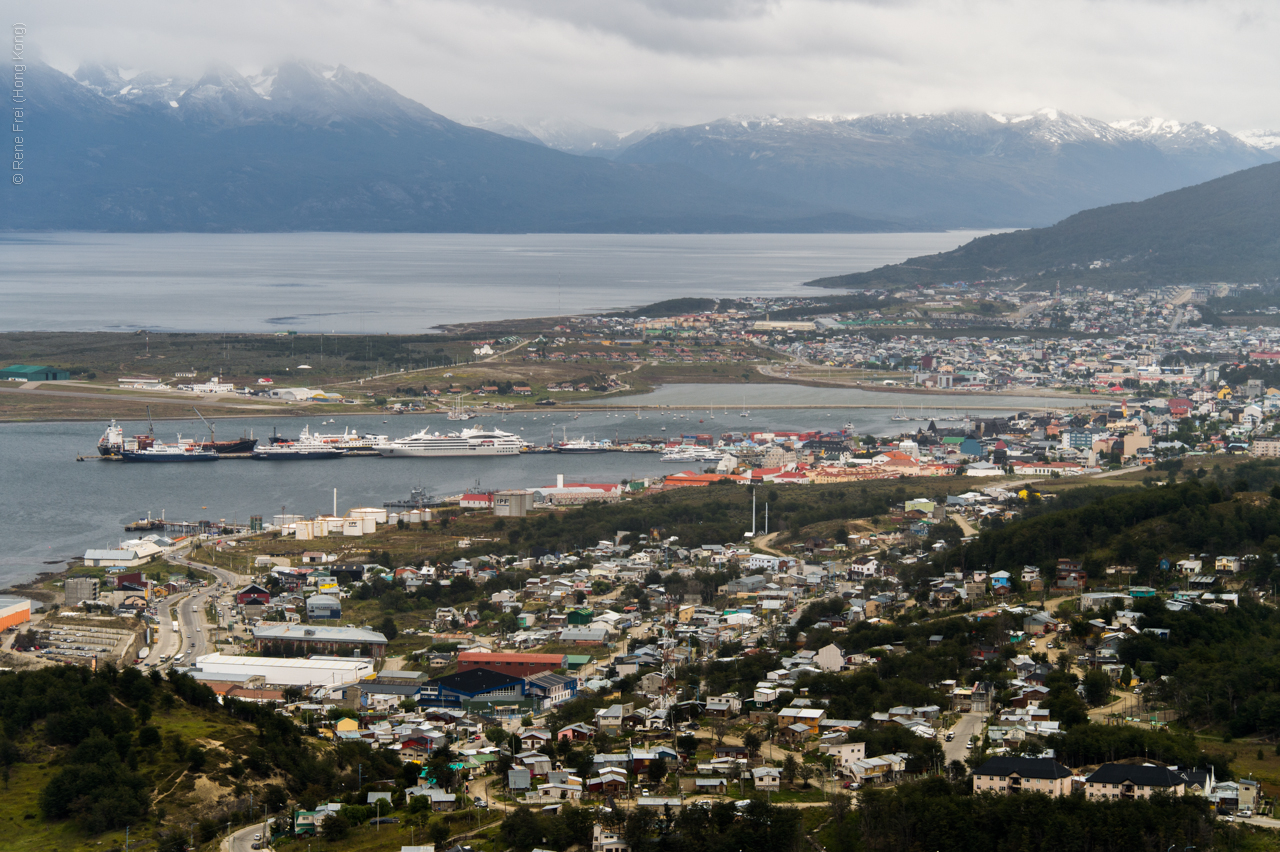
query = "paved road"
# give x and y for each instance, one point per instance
(970, 725)
(194, 638)
(242, 840)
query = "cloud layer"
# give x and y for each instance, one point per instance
(628, 63)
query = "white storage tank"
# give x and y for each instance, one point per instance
(303, 530)
(378, 515)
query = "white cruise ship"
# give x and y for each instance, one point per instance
(468, 442)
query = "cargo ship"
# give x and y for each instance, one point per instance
(113, 441)
(179, 452)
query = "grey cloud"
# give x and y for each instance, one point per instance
(629, 63)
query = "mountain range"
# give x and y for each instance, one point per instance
(1226, 229)
(305, 147)
(309, 147)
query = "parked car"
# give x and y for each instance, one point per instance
(951, 735)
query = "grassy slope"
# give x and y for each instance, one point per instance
(180, 801)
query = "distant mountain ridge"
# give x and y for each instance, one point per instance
(1226, 229)
(312, 148)
(308, 147)
(954, 169)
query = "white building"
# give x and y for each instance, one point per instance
(277, 671)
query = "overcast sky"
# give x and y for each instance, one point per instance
(624, 64)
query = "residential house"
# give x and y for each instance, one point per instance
(1023, 774)
(1128, 781)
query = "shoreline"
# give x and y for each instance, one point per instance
(1065, 400)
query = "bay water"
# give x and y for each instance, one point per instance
(54, 507)
(404, 283)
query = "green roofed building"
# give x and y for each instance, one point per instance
(573, 662)
(32, 373)
(581, 617)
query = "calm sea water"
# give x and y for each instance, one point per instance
(403, 283)
(55, 507)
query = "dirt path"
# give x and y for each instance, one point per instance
(763, 542)
(963, 523)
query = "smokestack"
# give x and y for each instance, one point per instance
(559, 480)
(335, 502)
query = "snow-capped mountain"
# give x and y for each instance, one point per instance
(310, 147)
(572, 137)
(1266, 140)
(957, 169)
(316, 95)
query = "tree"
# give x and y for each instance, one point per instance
(789, 768)
(1097, 687)
(687, 743)
(335, 827)
(751, 740)
(657, 770)
(439, 833)
(496, 735)
(839, 807)
(388, 628)
(520, 829)
(720, 727)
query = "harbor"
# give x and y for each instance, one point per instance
(105, 497)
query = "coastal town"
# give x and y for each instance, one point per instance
(788, 619)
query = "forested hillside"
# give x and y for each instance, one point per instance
(1227, 229)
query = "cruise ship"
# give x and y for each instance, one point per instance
(582, 445)
(468, 442)
(683, 455)
(309, 451)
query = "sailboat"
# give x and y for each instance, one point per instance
(744, 413)
(899, 414)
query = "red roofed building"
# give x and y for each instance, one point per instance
(521, 665)
(476, 501)
(688, 479)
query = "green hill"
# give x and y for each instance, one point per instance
(1226, 229)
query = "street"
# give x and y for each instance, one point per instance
(194, 637)
(242, 840)
(970, 725)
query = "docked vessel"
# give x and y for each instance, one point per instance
(582, 445)
(113, 441)
(345, 440)
(179, 452)
(243, 444)
(681, 455)
(468, 442)
(146, 524)
(298, 452)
